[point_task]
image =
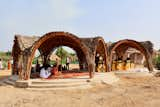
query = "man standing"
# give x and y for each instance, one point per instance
(67, 63)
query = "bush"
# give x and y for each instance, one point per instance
(157, 62)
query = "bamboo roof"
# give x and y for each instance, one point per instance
(26, 42)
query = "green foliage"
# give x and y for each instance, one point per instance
(157, 62)
(5, 56)
(35, 60)
(61, 52)
(72, 54)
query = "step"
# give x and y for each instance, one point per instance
(87, 86)
(58, 82)
(9, 82)
(13, 78)
(57, 85)
(10, 79)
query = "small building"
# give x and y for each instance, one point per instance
(24, 49)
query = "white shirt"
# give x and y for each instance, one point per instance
(44, 73)
(11, 61)
(68, 60)
(1, 66)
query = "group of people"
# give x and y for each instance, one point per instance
(46, 70)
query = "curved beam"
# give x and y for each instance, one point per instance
(102, 49)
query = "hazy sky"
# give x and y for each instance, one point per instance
(111, 19)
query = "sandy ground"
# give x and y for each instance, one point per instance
(128, 92)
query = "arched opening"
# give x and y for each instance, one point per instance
(59, 56)
(120, 55)
(134, 60)
(101, 56)
(51, 41)
(137, 58)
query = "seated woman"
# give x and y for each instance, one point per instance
(45, 72)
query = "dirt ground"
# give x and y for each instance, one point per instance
(128, 92)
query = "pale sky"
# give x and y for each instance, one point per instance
(112, 19)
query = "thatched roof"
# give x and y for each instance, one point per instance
(25, 42)
(148, 45)
(91, 43)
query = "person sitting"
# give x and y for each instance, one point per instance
(45, 72)
(63, 68)
(54, 70)
(37, 66)
(60, 67)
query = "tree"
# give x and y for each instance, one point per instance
(8, 53)
(73, 57)
(62, 53)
